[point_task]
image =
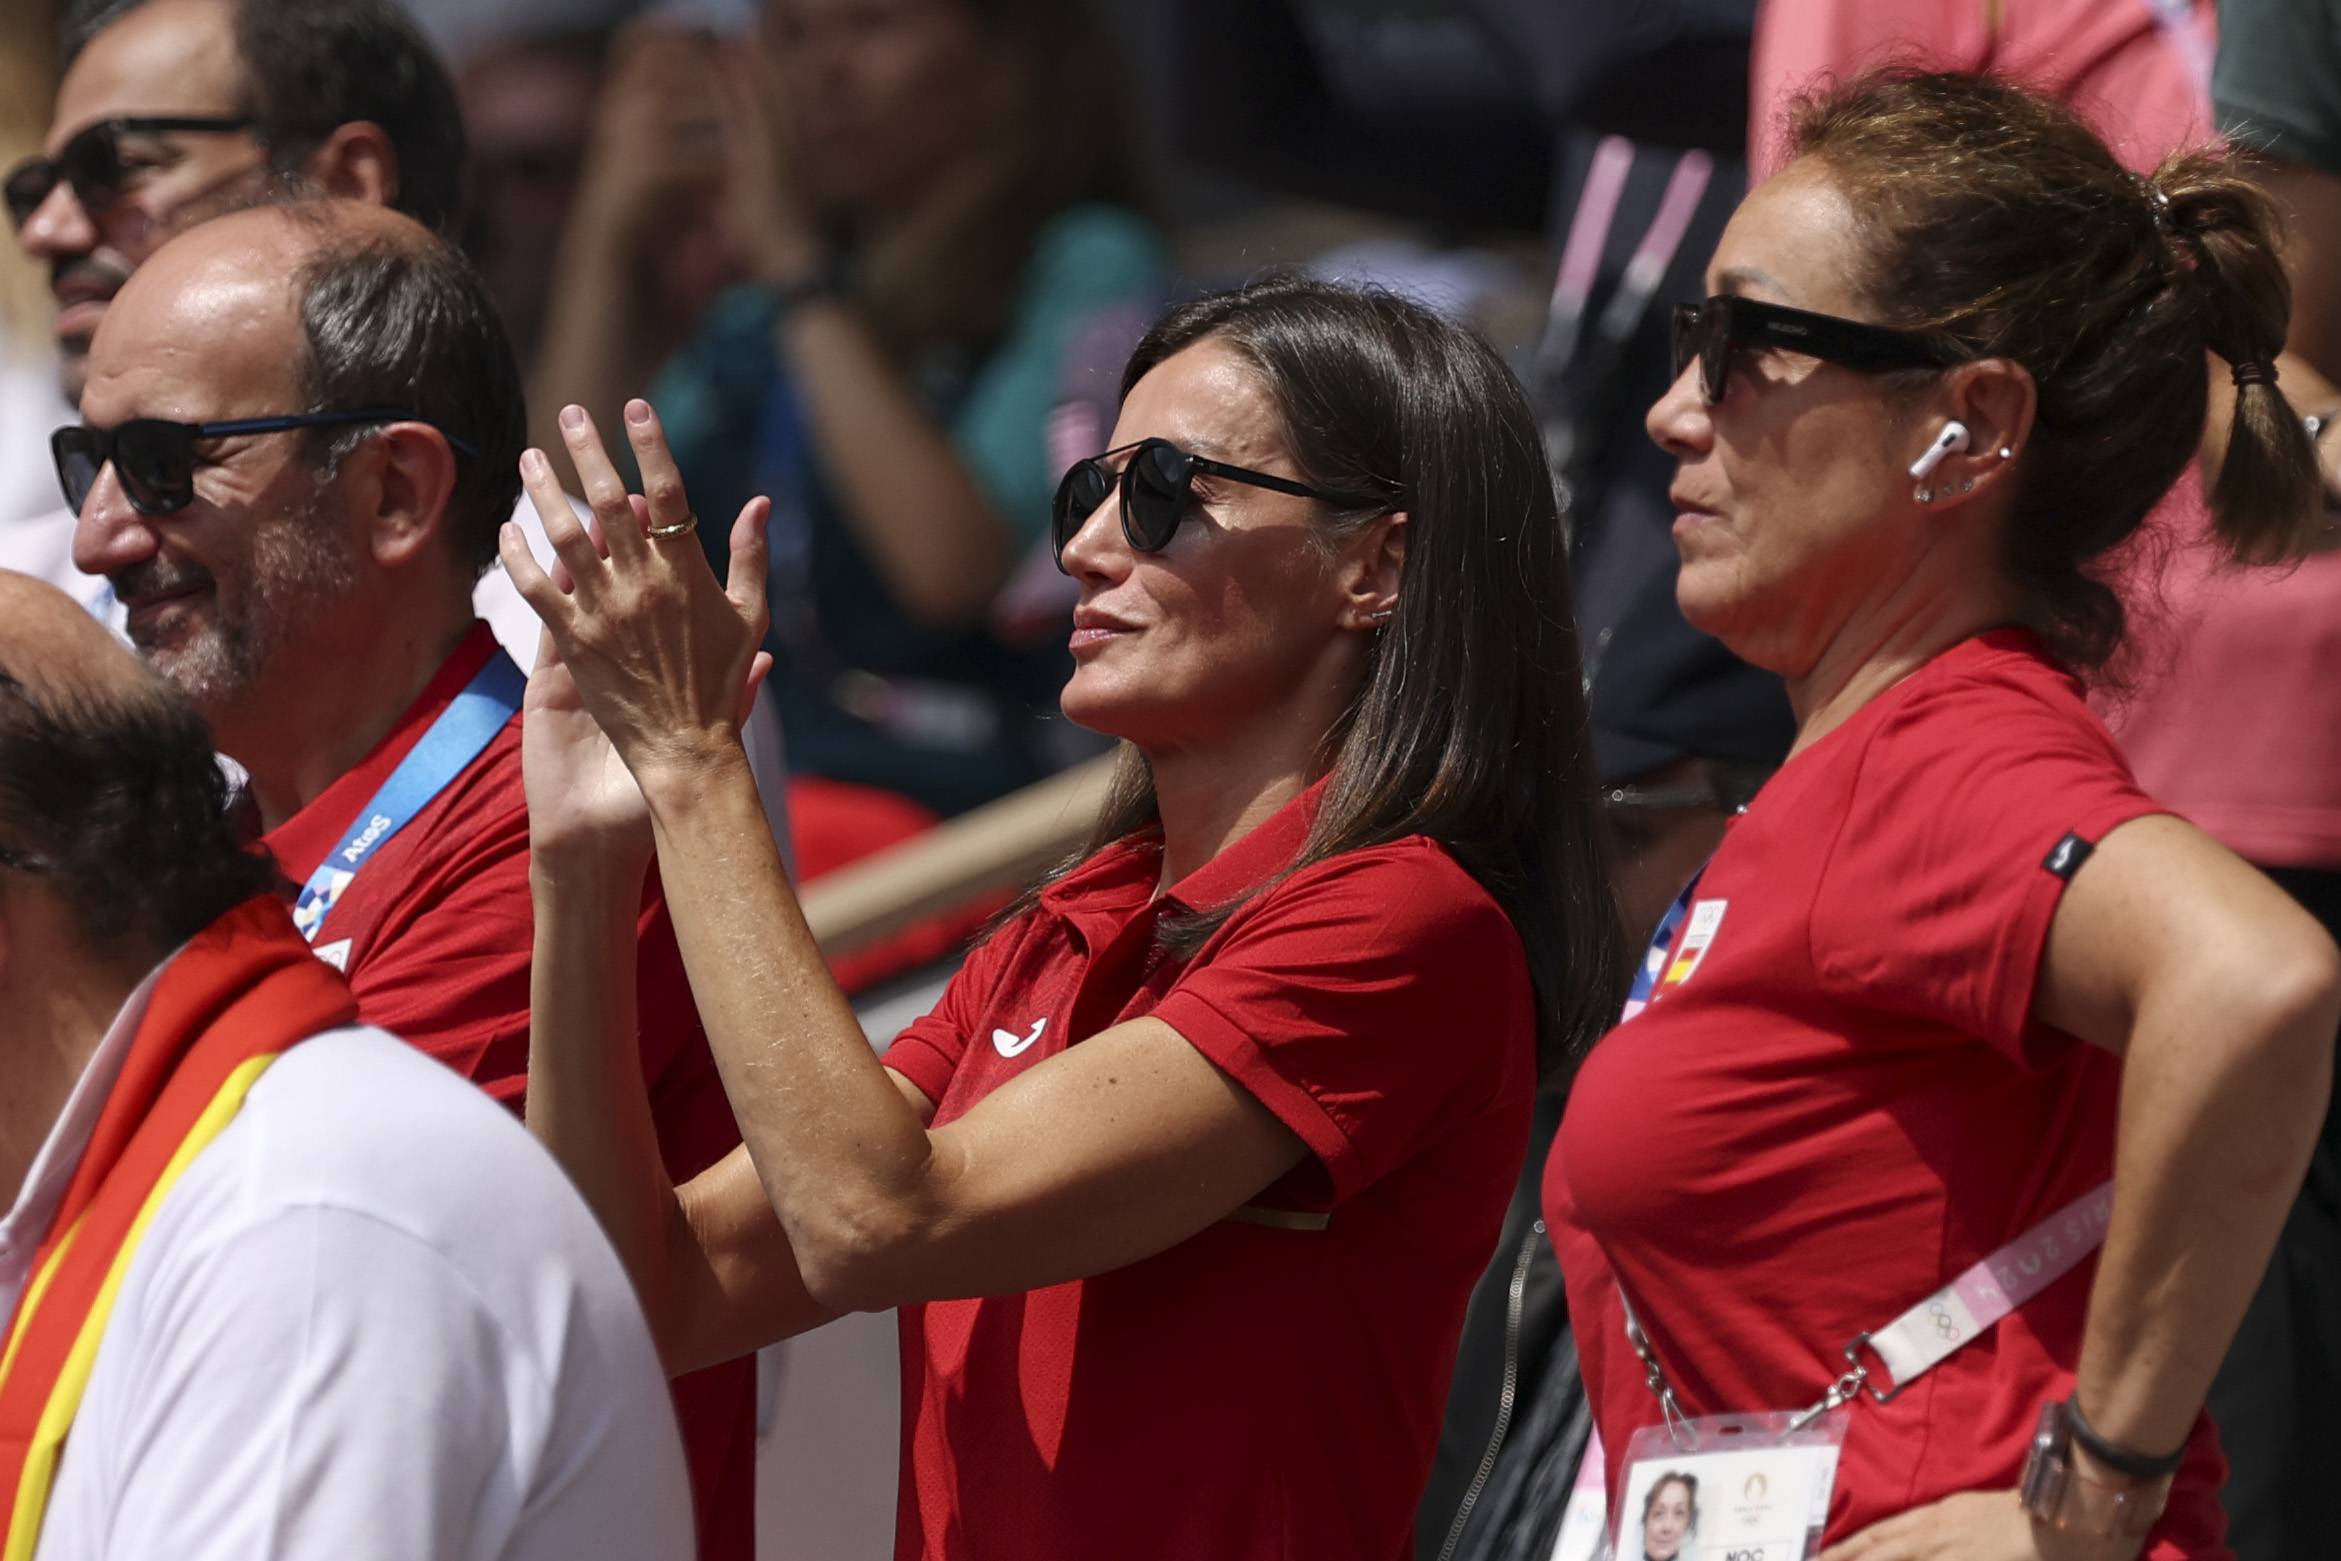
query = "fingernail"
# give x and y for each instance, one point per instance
(532, 463)
(637, 412)
(572, 418)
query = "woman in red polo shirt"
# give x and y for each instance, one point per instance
(1183, 1185)
(1951, 967)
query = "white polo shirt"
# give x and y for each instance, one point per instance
(330, 1344)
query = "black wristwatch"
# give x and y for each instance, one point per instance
(2120, 1459)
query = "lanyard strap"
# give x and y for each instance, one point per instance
(1929, 1333)
(1597, 208)
(463, 729)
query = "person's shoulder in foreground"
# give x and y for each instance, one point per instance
(331, 1342)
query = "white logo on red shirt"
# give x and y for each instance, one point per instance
(1012, 1045)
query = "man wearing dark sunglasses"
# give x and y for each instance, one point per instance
(298, 443)
(175, 111)
(143, 175)
(172, 112)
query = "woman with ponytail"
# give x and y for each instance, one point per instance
(1951, 968)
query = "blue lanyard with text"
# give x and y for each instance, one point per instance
(456, 738)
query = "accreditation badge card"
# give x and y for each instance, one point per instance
(1727, 1488)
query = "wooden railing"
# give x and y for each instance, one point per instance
(1001, 846)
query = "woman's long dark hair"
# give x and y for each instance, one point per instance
(1469, 723)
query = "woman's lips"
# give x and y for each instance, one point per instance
(1091, 639)
(1093, 629)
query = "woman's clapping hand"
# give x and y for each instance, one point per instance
(639, 635)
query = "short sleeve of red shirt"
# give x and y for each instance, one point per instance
(928, 1050)
(1969, 818)
(1366, 1001)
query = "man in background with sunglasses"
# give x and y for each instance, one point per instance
(300, 436)
(173, 112)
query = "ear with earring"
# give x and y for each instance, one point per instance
(1967, 484)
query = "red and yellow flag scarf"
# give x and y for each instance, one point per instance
(245, 989)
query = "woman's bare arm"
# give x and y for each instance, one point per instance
(2223, 998)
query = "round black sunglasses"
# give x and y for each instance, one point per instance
(1156, 483)
(92, 161)
(155, 459)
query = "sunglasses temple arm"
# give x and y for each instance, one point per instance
(1299, 490)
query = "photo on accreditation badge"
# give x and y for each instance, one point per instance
(1738, 1506)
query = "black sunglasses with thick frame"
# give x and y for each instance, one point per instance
(155, 458)
(92, 161)
(1155, 485)
(1709, 331)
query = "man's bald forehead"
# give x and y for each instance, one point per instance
(211, 311)
(277, 238)
(230, 284)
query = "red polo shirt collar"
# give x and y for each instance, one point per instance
(1252, 860)
(1098, 897)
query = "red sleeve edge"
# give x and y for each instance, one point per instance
(2029, 942)
(922, 1062)
(1235, 1053)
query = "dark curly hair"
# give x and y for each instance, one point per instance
(116, 802)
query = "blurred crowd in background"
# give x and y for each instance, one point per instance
(1008, 190)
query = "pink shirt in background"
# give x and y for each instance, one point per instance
(2234, 713)
(2142, 77)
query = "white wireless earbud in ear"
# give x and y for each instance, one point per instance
(1953, 437)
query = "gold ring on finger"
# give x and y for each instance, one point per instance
(681, 528)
